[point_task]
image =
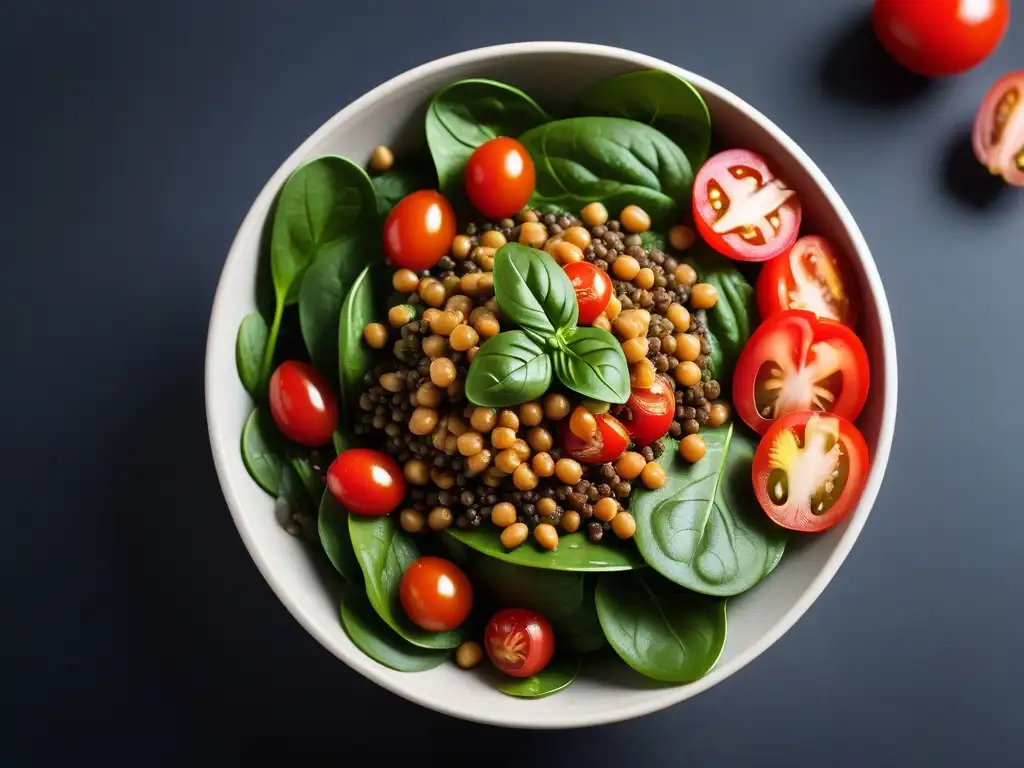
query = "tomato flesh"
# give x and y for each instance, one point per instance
(998, 135)
(812, 277)
(593, 289)
(366, 482)
(519, 642)
(649, 412)
(303, 404)
(809, 470)
(608, 443)
(419, 230)
(435, 593)
(500, 177)
(796, 361)
(742, 209)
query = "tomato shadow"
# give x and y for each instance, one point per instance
(967, 181)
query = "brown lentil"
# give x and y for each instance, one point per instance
(468, 654)
(514, 535)
(376, 335)
(381, 159)
(543, 464)
(539, 439)
(556, 406)
(629, 465)
(681, 237)
(692, 448)
(546, 536)
(405, 281)
(411, 520)
(416, 472)
(503, 514)
(624, 525)
(461, 246)
(653, 475)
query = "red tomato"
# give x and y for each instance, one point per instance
(999, 129)
(649, 412)
(436, 595)
(500, 177)
(940, 37)
(303, 404)
(519, 642)
(812, 277)
(593, 289)
(810, 469)
(742, 209)
(796, 362)
(607, 444)
(419, 230)
(366, 482)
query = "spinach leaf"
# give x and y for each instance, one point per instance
(610, 160)
(384, 552)
(363, 304)
(376, 639)
(581, 631)
(509, 369)
(468, 113)
(574, 553)
(533, 291)
(659, 99)
(249, 348)
(332, 525)
(704, 528)
(659, 630)
(555, 677)
(310, 480)
(391, 186)
(262, 452)
(592, 363)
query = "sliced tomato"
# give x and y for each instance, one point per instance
(810, 469)
(811, 276)
(796, 361)
(649, 412)
(999, 129)
(742, 209)
(607, 444)
(519, 642)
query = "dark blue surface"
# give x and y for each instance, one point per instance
(135, 626)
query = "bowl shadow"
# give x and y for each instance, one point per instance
(966, 180)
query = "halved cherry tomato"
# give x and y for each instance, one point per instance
(519, 642)
(742, 209)
(366, 482)
(593, 289)
(500, 177)
(999, 129)
(419, 230)
(796, 361)
(810, 469)
(436, 595)
(812, 277)
(649, 412)
(940, 37)
(303, 404)
(607, 444)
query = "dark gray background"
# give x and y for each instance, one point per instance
(135, 627)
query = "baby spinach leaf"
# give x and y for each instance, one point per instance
(377, 640)
(249, 348)
(332, 525)
(362, 305)
(556, 676)
(574, 553)
(311, 481)
(611, 160)
(661, 631)
(262, 452)
(533, 291)
(391, 186)
(592, 363)
(581, 631)
(468, 113)
(553, 594)
(659, 99)
(704, 528)
(509, 369)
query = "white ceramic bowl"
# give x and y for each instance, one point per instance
(392, 114)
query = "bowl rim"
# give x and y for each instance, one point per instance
(659, 698)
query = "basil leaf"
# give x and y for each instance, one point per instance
(249, 349)
(391, 186)
(509, 369)
(533, 291)
(555, 677)
(592, 363)
(332, 525)
(575, 551)
(363, 304)
(262, 452)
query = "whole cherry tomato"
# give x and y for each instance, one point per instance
(366, 482)
(499, 177)
(999, 129)
(419, 230)
(303, 404)
(607, 444)
(593, 289)
(436, 595)
(519, 642)
(650, 411)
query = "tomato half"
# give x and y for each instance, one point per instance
(810, 469)
(649, 412)
(419, 230)
(742, 209)
(999, 129)
(812, 277)
(303, 404)
(435, 593)
(940, 37)
(593, 289)
(366, 482)
(500, 177)
(519, 642)
(607, 444)
(796, 361)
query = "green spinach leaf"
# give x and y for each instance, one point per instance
(592, 363)
(509, 369)
(363, 304)
(391, 186)
(574, 553)
(555, 677)
(249, 349)
(332, 525)
(311, 481)
(262, 451)
(533, 291)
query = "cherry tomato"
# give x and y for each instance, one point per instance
(607, 444)
(742, 209)
(940, 37)
(812, 277)
(999, 129)
(419, 230)
(809, 470)
(519, 642)
(499, 177)
(593, 289)
(650, 411)
(303, 404)
(796, 361)
(436, 595)
(366, 482)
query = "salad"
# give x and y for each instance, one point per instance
(526, 410)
